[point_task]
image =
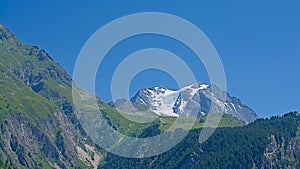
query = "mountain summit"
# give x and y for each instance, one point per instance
(194, 100)
(5, 34)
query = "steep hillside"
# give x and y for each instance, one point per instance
(38, 127)
(264, 144)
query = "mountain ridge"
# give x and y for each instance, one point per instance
(202, 97)
(38, 126)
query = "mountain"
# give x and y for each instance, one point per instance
(39, 128)
(37, 122)
(193, 100)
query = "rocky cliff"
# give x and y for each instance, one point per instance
(37, 121)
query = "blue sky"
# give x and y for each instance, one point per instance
(257, 41)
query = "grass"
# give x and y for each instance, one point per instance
(15, 96)
(227, 120)
(81, 165)
(126, 126)
(54, 76)
(64, 90)
(42, 162)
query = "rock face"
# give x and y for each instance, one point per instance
(194, 100)
(37, 122)
(5, 34)
(282, 153)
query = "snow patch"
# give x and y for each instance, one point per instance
(162, 100)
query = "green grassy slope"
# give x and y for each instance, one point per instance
(32, 90)
(16, 96)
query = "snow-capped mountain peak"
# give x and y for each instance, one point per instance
(194, 100)
(162, 100)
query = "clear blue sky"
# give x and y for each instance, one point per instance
(258, 42)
